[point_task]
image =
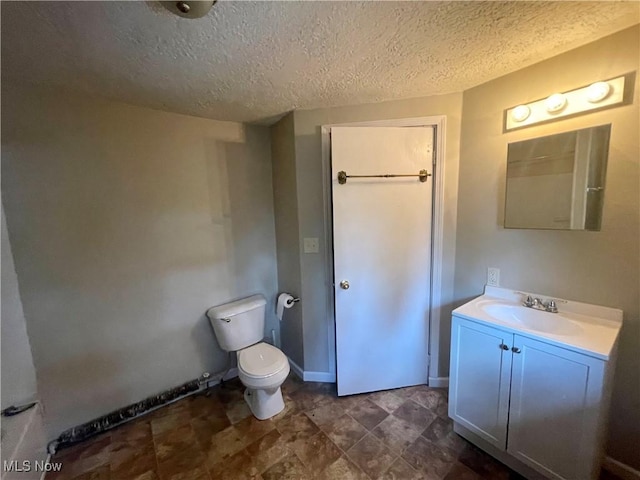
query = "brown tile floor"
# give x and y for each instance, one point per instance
(398, 434)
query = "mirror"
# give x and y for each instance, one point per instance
(557, 182)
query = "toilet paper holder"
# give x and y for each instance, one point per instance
(285, 301)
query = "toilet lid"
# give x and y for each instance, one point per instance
(261, 360)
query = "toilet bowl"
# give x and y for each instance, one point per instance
(263, 368)
(239, 327)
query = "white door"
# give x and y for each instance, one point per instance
(382, 256)
(479, 379)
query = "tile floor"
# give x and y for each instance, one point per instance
(398, 434)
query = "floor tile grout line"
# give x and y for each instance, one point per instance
(363, 437)
(342, 451)
(394, 453)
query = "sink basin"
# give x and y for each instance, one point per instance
(532, 319)
(589, 329)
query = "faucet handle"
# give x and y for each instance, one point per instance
(551, 307)
(528, 301)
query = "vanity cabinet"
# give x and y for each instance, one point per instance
(538, 403)
(479, 379)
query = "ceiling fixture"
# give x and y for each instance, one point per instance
(189, 8)
(598, 95)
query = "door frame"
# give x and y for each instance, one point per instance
(438, 123)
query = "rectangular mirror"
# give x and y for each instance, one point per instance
(557, 182)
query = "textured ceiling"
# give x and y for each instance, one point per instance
(253, 61)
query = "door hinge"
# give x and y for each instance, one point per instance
(428, 361)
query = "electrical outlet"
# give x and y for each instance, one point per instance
(311, 245)
(493, 277)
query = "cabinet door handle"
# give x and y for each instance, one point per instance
(515, 350)
(504, 347)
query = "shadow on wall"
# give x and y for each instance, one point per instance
(241, 209)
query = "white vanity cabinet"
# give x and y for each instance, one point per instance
(480, 379)
(522, 398)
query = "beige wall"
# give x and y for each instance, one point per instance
(126, 225)
(18, 373)
(315, 284)
(285, 205)
(593, 267)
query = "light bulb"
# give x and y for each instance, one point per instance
(596, 92)
(556, 102)
(520, 113)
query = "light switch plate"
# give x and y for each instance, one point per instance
(311, 245)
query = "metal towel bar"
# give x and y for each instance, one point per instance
(342, 176)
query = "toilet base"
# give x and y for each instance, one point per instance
(264, 404)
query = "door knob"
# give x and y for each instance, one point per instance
(344, 284)
(504, 347)
(515, 350)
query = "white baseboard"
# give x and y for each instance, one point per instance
(309, 376)
(439, 382)
(620, 469)
(295, 368)
(326, 377)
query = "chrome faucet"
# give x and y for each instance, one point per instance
(538, 304)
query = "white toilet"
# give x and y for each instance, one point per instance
(239, 327)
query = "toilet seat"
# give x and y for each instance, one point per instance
(261, 361)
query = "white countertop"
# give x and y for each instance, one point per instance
(596, 335)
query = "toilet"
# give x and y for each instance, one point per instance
(239, 327)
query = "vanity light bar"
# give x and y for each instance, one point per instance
(557, 105)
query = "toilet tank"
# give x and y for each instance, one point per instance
(239, 324)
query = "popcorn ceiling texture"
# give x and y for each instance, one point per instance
(253, 61)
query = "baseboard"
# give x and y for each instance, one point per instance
(439, 382)
(620, 469)
(326, 377)
(308, 376)
(295, 368)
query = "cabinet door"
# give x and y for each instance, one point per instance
(479, 379)
(555, 397)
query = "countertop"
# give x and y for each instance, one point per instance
(596, 335)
